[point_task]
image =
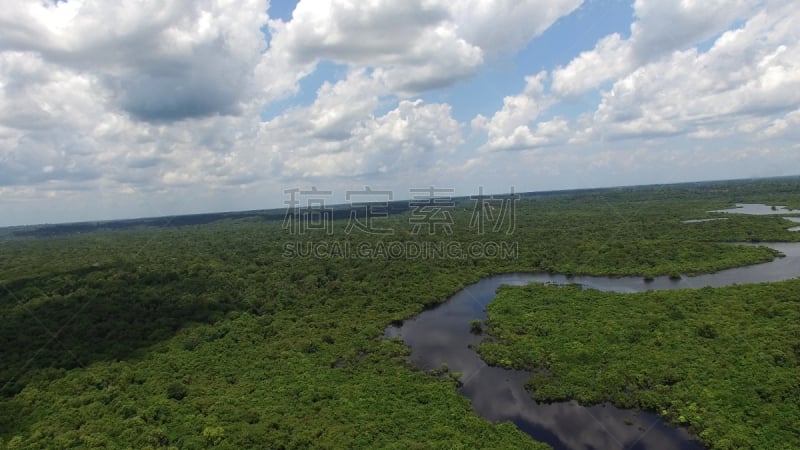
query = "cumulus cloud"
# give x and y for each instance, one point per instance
(415, 45)
(338, 135)
(59, 129)
(509, 129)
(156, 60)
(611, 57)
(787, 126)
(138, 92)
(129, 97)
(102, 100)
(410, 42)
(42, 106)
(349, 32)
(507, 25)
(660, 28)
(743, 84)
(749, 72)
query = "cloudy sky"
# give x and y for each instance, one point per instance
(161, 107)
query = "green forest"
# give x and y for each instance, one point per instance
(211, 336)
(723, 362)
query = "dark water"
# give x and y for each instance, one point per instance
(442, 335)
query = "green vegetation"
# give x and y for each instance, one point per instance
(725, 362)
(476, 326)
(209, 336)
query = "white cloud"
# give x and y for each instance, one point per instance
(611, 57)
(661, 27)
(414, 45)
(787, 126)
(401, 141)
(41, 108)
(337, 110)
(159, 61)
(108, 102)
(742, 85)
(508, 128)
(338, 135)
(59, 130)
(151, 94)
(750, 72)
(507, 25)
(438, 59)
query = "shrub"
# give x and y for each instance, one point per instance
(177, 391)
(476, 326)
(213, 435)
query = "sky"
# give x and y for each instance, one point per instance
(160, 107)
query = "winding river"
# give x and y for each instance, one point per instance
(442, 336)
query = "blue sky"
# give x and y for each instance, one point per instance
(169, 107)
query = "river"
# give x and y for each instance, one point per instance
(442, 336)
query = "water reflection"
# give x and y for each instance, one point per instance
(442, 336)
(704, 220)
(795, 220)
(757, 209)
